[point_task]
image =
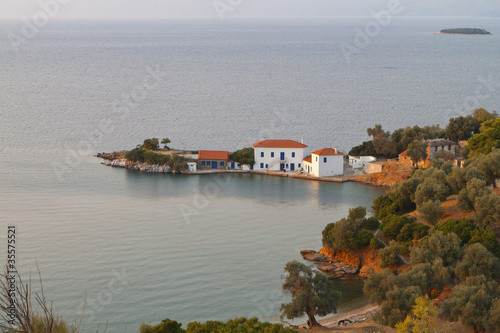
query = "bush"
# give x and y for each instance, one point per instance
(361, 238)
(370, 223)
(431, 211)
(390, 254)
(376, 244)
(462, 228)
(392, 225)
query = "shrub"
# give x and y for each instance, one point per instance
(392, 225)
(390, 254)
(431, 211)
(370, 223)
(462, 228)
(376, 244)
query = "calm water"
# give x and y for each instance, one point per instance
(146, 247)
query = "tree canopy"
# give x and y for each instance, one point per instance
(312, 294)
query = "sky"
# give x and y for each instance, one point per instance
(145, 9)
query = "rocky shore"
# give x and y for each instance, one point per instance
(123, 163)
(344, 264)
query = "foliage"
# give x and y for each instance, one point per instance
(365, 149)
(357, 214)
(235, 325)
(383, 206)
(477, 260)
(377, 285)
(484, 142)
(430, 189)
(417, 151)
(166, 326)
(390, 254)
(471, 302)
(487, 210)
(486, 238)
(438, 245)
(459, 177)
(370, 223)
(488, 165)
(150, 144)
(462, 228)
(422, 318)
(244, 156)
(138, 155)
(393, 224)
(398, 305)
(312, 294)
(467, 197)
(431, 211)
(376, 244)
(165, 142)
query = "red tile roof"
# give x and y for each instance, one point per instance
(403, 153)
(308, 159)
(279, 144)
(213, 155)
(327, 152)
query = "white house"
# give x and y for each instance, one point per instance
(276, 155)
(324, 163)
(357, 162)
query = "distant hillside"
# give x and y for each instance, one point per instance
(466, 31)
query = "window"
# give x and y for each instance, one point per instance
(262, 164)
(449, 147)
(222, 163)
(202, 162)
(299, 165)
(267, 165)
(436, 148)
(316, 158)
(324, 159)
(261, 154)
(293, 154)
(272, 154)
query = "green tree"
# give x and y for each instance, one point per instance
(488, 165)
(312, 294)
(357, 214)
(467, 197)
(431, 211)
(438, 245)
(471, 302)
(462, 128)
(422, 319)
(365, 149)
(166, 326)
(390, 255)
(487, 210)
(417, 151)
(377, 285)
(486, 238)
(478, 260)
(430, 189)
(398, 305)
(150, 144)
(493, 324)
(244, 156)
(463, 228)
(484, 142)
(165, 141)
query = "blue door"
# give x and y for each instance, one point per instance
(292, 166)
(282, 166)
(214, 164)
(282, 156)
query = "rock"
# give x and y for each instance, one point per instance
(328, 268)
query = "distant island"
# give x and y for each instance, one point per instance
(465, 31)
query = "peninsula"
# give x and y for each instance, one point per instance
(465, 31)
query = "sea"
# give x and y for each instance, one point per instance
(121, 248)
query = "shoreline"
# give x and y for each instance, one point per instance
(448, 33)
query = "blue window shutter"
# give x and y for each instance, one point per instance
(262, 165)
(293, 154)
(221, 163)
(324, 159)
(202, 162)
(261, 154)
(272, 154)
(299, 165)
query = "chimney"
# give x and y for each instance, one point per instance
(302, 140)
(335, 150)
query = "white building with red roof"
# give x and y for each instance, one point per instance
(279, 155)
(324, 162)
